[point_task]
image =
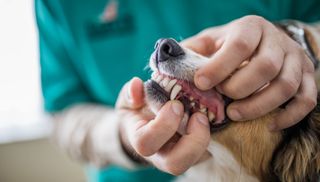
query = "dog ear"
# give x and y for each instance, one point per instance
(297, 157)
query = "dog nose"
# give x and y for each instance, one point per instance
(167, 48)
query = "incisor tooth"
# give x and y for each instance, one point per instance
(211, 116)
(203, 110)
(165, 81)
(176, 89)
(170, 85)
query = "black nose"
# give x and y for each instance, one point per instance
(166, 49)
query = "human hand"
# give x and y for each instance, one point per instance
(154, 137)
(276, 69)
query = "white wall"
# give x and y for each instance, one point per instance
(21, 115)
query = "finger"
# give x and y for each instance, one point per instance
(205, 43)
(299, 107)
(278, 92)
(131, 95)
(151, 136)
(189, 148)
(262, 68)
(237, 47)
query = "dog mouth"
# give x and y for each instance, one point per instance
(211, 103)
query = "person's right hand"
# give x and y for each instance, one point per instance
(154, 137)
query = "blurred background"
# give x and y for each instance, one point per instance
(26, 152)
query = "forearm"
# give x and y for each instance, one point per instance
(90, 133)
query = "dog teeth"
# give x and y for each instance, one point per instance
(203, 110)
(191, 98)
(193, 104)
(170, 85)
(211, 116)
(176, 89)
(165, 82)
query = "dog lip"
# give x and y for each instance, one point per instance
(156, 86)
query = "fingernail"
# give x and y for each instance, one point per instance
(128, 95)
(234, 115)
(204, 82)
(202, 119)
(177, 108)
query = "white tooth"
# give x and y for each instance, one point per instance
(165, 81)
(203, 110)
(170, 85)
(211, 116)
(201, 106)
(192, 104)
(176, 89)
(191, 98)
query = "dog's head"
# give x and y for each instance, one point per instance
(289, 155)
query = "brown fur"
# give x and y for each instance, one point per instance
(290, 155)
(298, 156)
(251, 143)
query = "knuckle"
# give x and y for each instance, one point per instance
(241, 43)
(270, 65)
(141, 146)
(310, 102)
(233, 91)
(289, 87)
(254, 19)
(174, 167)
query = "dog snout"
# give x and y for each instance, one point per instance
(167, 49)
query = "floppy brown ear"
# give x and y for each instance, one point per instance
(297, 157)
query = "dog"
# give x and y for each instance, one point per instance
(241, 151)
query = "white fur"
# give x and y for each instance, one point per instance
(219, 168)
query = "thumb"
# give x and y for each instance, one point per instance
(131, 95)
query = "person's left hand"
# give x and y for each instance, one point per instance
(276, 70)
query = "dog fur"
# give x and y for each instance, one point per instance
(248, 151)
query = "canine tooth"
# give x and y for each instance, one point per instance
(201, 106)
(165, 81)
(170, 85)
(211, 116)
(191, 98)
(176, 89)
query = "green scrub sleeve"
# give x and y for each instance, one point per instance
(61, 83)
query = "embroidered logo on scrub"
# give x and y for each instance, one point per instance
(113, 20)
(110, 12)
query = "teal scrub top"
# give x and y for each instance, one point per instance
(87, 58)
